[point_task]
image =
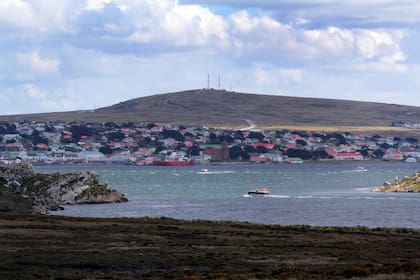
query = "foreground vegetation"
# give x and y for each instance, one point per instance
(48, 247)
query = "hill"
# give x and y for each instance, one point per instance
(226, 108)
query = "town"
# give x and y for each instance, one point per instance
(143, 144)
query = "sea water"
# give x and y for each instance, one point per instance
(324, 194)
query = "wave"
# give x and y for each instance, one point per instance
(364, 189)
(277, 196)
(304, 196)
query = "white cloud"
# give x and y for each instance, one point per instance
(38, 65)
(344, 12)
(265, 75)
(293, 75)
(77, 54)
(42, 64)
(179, 25)
(96, 4)
(34, 92)
(264, 34)
(39, 16)
(17, 13)
(50, 101)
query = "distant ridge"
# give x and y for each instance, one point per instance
(209, 107)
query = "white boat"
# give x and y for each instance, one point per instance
(361, 168)
(411, 159)
(261, 191)
(203, 171)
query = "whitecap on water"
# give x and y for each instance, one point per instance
(364, 189)
(304, 196)
(215, 172)
(277, 196)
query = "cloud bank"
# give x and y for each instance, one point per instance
(67, 55)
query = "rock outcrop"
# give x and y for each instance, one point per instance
(23, 190)
(408, 184)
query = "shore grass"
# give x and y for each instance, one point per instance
(54, 247)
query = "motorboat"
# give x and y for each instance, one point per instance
(262, 191)
(361, 168)
(411, 159)
(203, 171)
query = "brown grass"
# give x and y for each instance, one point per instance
(48, 247)
(216, 108)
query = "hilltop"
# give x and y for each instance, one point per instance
(211, 107)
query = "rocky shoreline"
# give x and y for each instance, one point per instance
(23, 190)
(408, 184)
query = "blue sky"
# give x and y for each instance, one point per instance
(83, 54)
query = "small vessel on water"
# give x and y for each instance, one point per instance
(203, 171)
(260, 191)
(411, 159)
(361, 168)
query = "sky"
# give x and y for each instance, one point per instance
(85, 54)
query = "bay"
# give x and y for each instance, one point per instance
(322, 194)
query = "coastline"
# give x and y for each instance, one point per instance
(326, 161)
(50, 246)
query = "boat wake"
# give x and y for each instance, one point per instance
(215, 172)
(364, 189)
(267, 195)
(277, 196)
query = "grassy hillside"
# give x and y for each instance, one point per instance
(49, 247)
(225, 108)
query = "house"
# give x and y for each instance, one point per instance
(268, 146)
(293, 160)
(12, 147)
(217, 152)
(41, 146)
(393, 154)
(274, 157)
(156, 128)
(260, 159)
(89, 156)
(348, 156)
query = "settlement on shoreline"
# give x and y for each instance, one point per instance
(57, 142)
(52, 247)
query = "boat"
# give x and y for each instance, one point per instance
(411, 159)
(262, 191)
(361, 168)
(203, 171)
(171, 161)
